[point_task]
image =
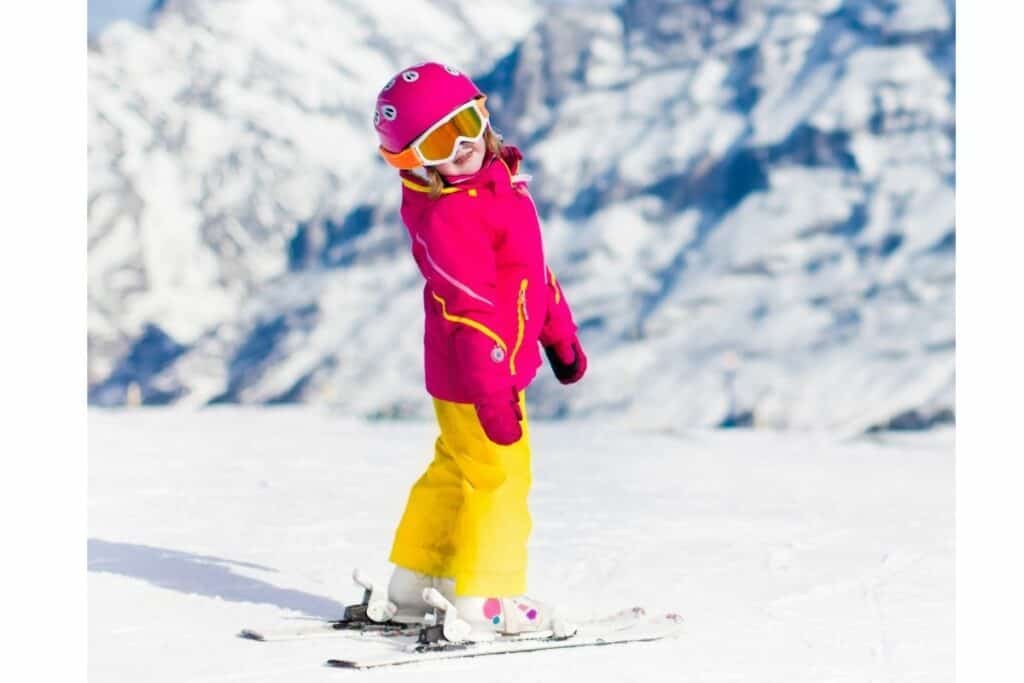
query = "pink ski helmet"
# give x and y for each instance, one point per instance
(417, 98)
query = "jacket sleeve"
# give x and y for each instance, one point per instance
(462, 276)
(558, 324)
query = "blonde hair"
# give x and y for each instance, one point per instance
(435, 181)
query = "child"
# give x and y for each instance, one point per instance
(489, 299)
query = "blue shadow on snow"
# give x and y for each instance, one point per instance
(202, 575)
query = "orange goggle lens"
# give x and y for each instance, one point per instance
(439, 144)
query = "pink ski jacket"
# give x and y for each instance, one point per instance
(489, 297)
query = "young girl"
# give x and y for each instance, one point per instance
(489, 299)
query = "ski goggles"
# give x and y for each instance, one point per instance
(439, 144)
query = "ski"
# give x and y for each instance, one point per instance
(366, 630)
(331, 629)
(626, 627)
(426, 641)
(354, 623)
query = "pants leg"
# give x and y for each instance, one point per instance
(425, 539)
(468, 517)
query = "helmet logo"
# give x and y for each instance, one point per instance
(389, 112)
(410, 76)
(452, 71)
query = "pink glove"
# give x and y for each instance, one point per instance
(500, 415)
(567, 360)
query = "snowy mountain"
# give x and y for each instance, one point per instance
(749, 203)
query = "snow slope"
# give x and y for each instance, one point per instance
(793, 557)
(749, 202)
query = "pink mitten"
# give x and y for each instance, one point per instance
(500, 415)
(568, 361)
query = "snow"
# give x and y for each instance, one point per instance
(792, 556)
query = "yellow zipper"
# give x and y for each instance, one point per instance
(523, 317)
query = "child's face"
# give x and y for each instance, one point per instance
(469, 159)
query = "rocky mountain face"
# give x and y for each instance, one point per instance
(749, 203)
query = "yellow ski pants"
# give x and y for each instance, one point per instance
(467, 516)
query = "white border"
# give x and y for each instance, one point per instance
(42, 366)
(990, 373)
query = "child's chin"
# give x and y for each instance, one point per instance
(470, 165)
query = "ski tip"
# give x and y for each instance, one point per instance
(341, 664)
(250, 635)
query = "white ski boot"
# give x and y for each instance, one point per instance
(483, 619)
(404, 603)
